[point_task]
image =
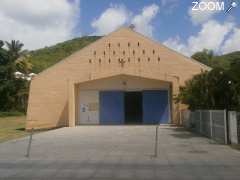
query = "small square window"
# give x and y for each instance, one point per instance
(153, 51)
(90, 61)
(133, 52)
(159, 58)
(109, 45)
(139, 59)
(129, 59)
(148, 59)
(143, 51)
(109, 60)
(128, 44)
(138, 44)
(100, 60)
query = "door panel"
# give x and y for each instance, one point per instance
(111, 107)
(155, 107)
(88, 107)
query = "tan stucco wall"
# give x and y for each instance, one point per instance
(116, 83)
(53, 92)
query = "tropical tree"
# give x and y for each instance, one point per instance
(13, 92)
(210, 90)
(235, 75)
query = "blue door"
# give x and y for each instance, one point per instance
(155, 107)
(111, 107)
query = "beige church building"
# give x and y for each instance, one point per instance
(122, 78)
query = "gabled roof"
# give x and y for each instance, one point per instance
(129, 32)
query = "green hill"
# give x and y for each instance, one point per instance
(208, 58)
(226, 59)
(45, 57)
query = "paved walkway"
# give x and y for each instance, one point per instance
(118, 152)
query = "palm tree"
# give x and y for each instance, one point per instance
(16, 60)
(14, 49)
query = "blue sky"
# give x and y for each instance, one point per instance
(41, 23)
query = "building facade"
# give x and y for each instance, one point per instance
(122, 78)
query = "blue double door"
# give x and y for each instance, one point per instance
(155, 107)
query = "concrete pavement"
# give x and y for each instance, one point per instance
(118, 152)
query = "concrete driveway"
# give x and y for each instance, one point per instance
(118, 152)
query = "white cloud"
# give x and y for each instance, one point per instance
(175, 43)
(199, 16)
(211, 36)
(111, 19)
(118, 15)
(169, 5)
(38, 23)
(232, 43)
(143, 21)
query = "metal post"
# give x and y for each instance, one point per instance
(211, 123)
(156, 143)
(200, 119)
(226, 125)
(29, 143)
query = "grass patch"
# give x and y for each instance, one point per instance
(12, 127)
(13, 113)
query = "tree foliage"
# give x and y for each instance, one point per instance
(205, 57)
(216, 89)
(13, 92)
